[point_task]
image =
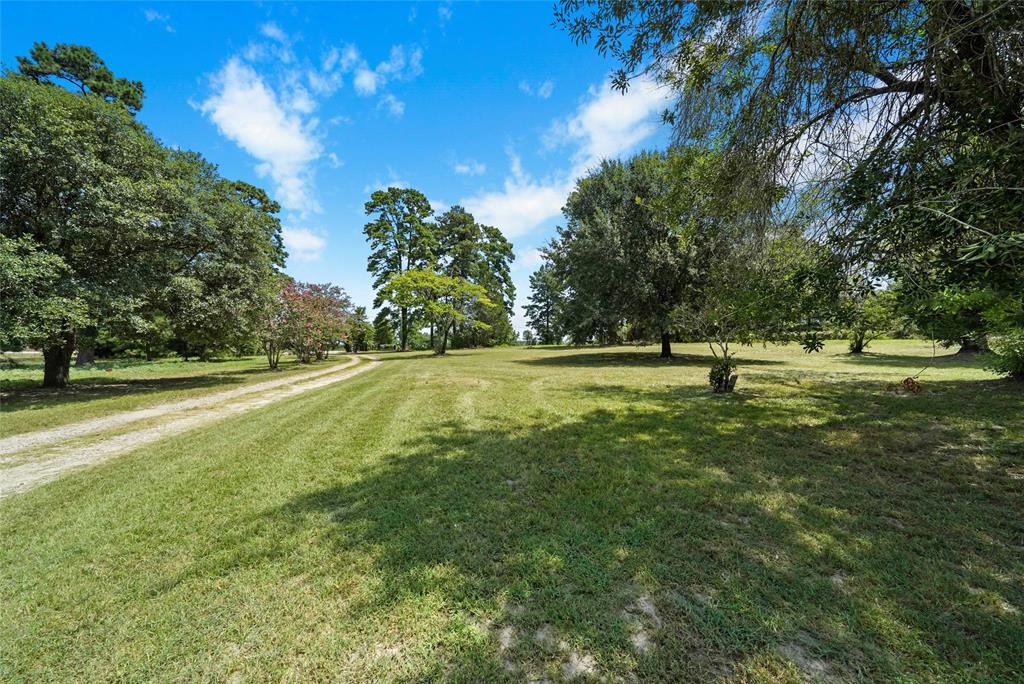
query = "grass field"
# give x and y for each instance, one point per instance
(111, 386)
(512, 514)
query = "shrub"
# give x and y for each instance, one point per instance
(1008, 354)
(722, 376)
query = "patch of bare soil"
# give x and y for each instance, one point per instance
(643, 619)
(813, 669)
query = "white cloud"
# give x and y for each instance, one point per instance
(543, 90)
(349, 57)
(395, 107)
(303, 244)
(264, 99)
(470, 167)
(246, 110)
(274, 32)
(521, 205)
(394, 181)
(330, 59)
(444, 13)
(279, 47)
(402, 64)
(438, 206)
(300, 100)
(365, 81)
(256, 52)
(335, 62)
(610, 123)
(153, 15)
(606, 124)
(528, 259)
(323, 82)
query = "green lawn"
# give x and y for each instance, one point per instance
(111, 386)
(527, 513)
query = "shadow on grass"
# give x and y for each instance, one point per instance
(27, 394)
(634, 358)
(422, 354)
(848, 535)
(942, 359)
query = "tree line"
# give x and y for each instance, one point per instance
(114, 242)
(447, 274)
(835, 166)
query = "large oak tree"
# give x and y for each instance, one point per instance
(131, 230)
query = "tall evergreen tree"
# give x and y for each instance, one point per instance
(481, 255)
(401, 239)
(83, 69)
(542, 311)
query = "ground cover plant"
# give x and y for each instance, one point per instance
(548, 513)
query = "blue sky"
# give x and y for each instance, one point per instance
(480, 104)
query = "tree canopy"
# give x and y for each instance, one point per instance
(543, 310)
(444, 300)
(453, 246)
(903, 119)
(112, 229)
(82, 68)
(478, 254)
(619, 254)
(400, 239)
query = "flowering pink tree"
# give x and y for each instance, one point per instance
(308, 319)
(273, 321)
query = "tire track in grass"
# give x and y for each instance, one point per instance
(21, 442)
(25, 476)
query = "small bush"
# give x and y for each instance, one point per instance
(813, 342)
(1008, 354)
(722, 376)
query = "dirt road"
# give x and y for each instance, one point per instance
(172, 418)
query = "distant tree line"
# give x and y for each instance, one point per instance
(448, 275)
(113, 242)
(835, 167)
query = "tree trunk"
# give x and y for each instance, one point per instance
(57, 362)
(403, 332)
(431, 335)
(444, 341)
(666, 345)
(86, 357)
(86, 340)
(273, 354)
(857, 344)
(969, 346)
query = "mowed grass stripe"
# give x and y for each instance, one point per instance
(158, 491)
(498, 515)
